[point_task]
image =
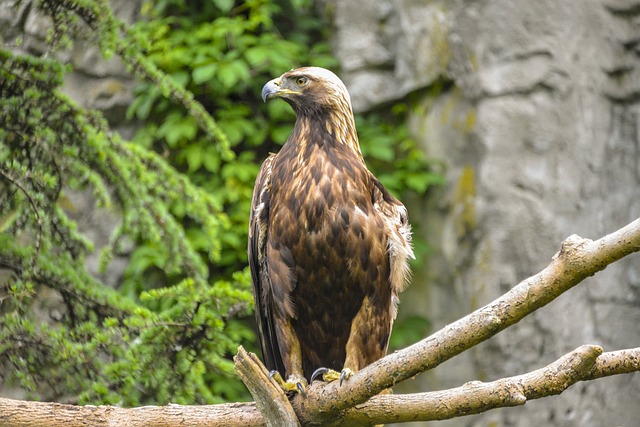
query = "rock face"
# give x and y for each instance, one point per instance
(538, 124)
(94, 82)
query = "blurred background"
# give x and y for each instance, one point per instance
(504, 126)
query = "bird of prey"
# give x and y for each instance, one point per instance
(329, 246)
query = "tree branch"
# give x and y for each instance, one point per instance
(19, 413)
(269, 397)
(333, 405)
(578, 259)
(583, 364)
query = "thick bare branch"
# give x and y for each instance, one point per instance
(269, 397)
(583, 364)
(475, 397)
(578, 259)
(19, 413)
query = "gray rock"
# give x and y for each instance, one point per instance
(539, 133)
(386, 49)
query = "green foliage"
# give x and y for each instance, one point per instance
(392, 154)
(181, 190)
(169, 344)
(222, 53)
(128, 346)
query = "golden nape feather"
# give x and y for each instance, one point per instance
(329, 246)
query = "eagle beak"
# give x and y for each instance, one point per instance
(271, 89)
(274, 89)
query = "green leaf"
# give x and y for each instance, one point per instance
(224, 5)
(232, 72)
(204, 73)
(227, 75)
(211, 159)
(280, 134)
(178, 128)
(194, 156)
(257, 55)
(381, 152)
(418, 182)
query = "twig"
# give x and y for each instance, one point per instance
(34, 207)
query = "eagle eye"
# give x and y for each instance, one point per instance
(301, 81)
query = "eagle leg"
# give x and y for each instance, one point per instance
(293, 385)
(329, 375)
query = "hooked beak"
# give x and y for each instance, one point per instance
(275, 89)
(271, 89)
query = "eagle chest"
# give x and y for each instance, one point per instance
(324, 221)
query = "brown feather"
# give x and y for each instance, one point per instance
(328, 245)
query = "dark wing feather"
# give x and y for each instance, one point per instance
(258, 224)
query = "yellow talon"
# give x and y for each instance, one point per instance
(345, 374)
(329, 375)
(293, 385)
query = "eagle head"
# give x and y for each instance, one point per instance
(309, 90)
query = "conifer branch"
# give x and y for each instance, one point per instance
(36, 213)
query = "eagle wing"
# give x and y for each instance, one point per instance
(258, 225)
(398, 231)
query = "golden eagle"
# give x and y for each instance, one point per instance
(329, 246)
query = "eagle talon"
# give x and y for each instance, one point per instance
(319, 371)
(275, 375)
(293, 385)
(301, 389)
(329, 375)
(345, 374)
